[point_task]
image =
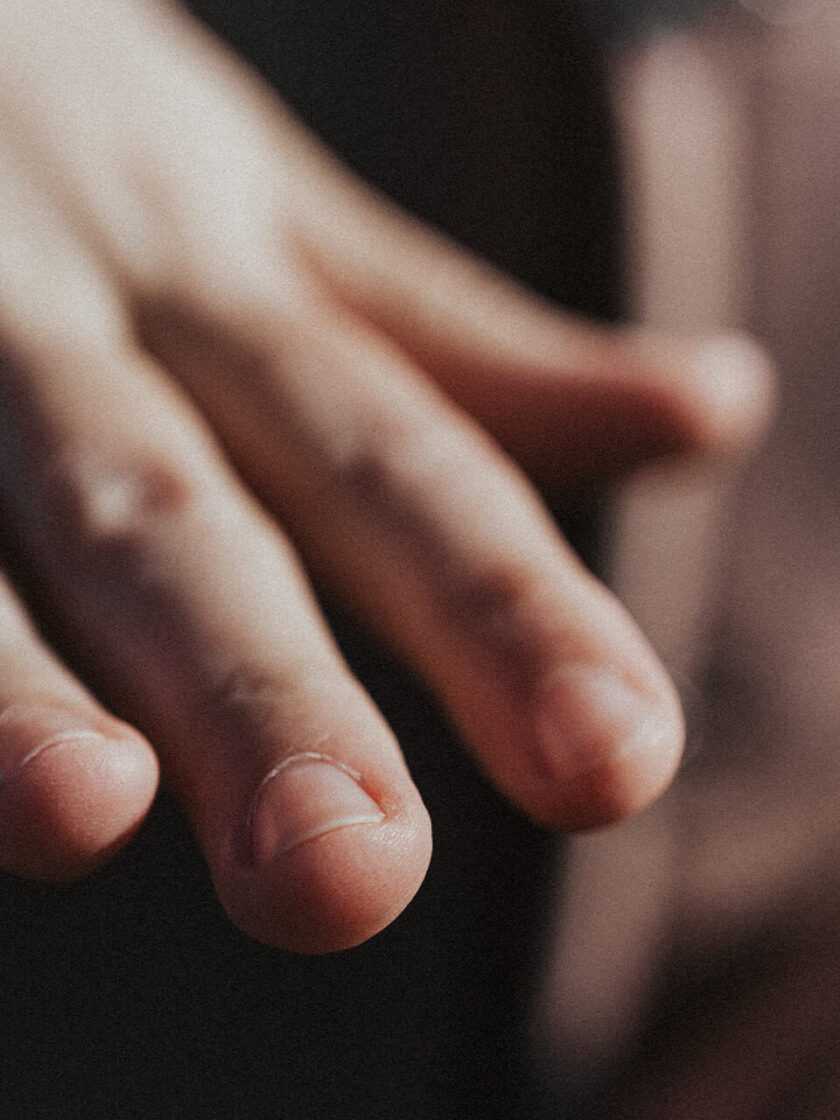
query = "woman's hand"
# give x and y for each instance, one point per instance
(225, 363)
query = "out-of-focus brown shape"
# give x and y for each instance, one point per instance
(698, 957)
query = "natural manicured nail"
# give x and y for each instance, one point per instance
(587, 717)
(306, 796)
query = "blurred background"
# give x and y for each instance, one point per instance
(697, 963)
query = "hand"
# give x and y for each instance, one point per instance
(223, 360)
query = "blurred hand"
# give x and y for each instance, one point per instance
(224, 362)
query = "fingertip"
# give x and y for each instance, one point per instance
(646, 396)
(606, 747)
(624, 784)
(74, 801)
(734, 389)
(336, 887)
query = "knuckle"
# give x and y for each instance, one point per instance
(494, 603)
(414, 481)
(105, 506)
(279, 710)
(389, 467)
(367, 477)
(250, 697)
(491, 594)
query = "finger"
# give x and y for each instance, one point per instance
(194, 611)
(571, 401)
(75, 783)
(414, 515)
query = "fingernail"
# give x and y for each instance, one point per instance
(306, 796)
(27, 733)
(587, 717)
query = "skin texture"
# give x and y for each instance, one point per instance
(227, 367)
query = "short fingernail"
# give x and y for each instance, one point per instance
(587, 717)
(29, 731)
(306, 796)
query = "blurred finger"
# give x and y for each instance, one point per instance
(573, 402)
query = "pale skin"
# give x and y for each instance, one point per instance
(227, 368)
